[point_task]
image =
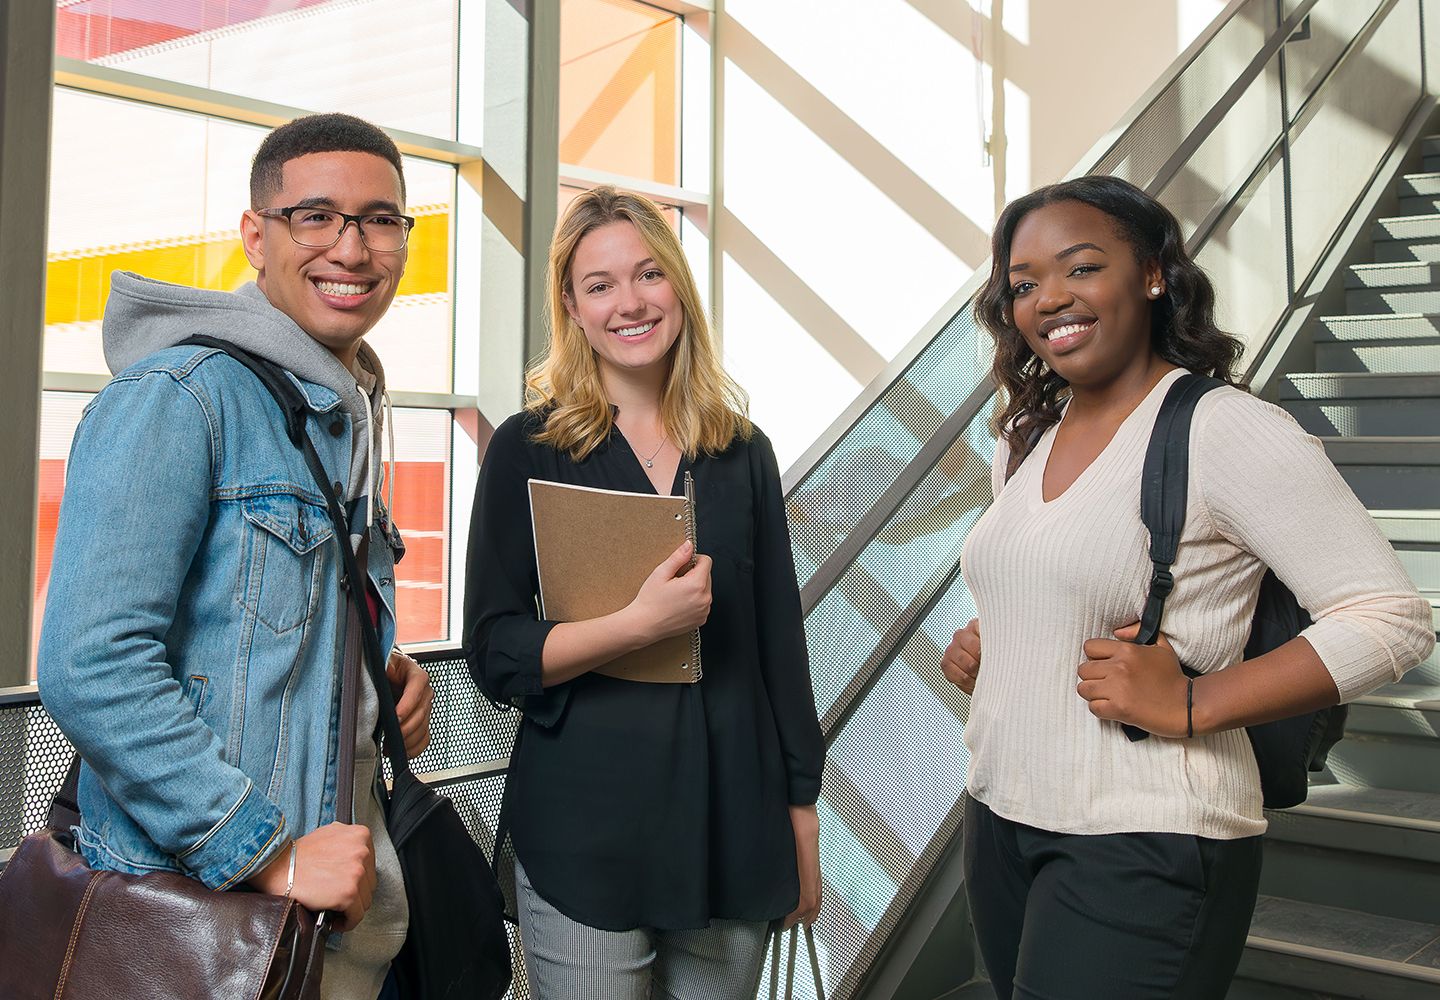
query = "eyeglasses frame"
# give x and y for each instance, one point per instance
(346, 220)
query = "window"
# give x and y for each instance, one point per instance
(159, 191)
(620, 89)
(158, 188)
(390, 62)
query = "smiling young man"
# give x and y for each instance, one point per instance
(194, 637)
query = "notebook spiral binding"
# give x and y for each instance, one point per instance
(691, 536)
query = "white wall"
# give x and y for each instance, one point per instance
(856, 192)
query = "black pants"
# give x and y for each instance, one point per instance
(1124, 916)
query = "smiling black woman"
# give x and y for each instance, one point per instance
(1097, 867)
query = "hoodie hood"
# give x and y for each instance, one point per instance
(143, 316)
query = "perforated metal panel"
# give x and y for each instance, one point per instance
(34, 756)
(465, 729)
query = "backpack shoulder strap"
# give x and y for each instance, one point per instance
(1164, 490)
(272, 376)
(1164, 486)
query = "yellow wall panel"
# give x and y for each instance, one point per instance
(77, 285)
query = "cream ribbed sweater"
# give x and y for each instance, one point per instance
(1048, 576)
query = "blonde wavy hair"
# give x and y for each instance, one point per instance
(703, 408)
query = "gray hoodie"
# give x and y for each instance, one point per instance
(143, 316)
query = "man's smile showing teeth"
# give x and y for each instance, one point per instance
(343, 288)
(634, 331)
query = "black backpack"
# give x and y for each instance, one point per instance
(1287, 749)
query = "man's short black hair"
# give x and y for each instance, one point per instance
(328, 133)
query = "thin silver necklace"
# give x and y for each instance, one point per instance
(650, 462)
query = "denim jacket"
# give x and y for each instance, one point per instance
(193, 641)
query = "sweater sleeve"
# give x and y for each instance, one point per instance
(504, 634)
(1269, 488)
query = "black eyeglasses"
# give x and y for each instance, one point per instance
(320, 228)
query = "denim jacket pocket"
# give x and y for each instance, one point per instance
(284, 556)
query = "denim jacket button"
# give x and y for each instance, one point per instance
(337, 427)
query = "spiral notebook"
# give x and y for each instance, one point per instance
(595, 548)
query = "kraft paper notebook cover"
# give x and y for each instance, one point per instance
(595, 548)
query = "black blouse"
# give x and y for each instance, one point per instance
(652, 805)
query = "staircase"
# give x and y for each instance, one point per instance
(1350, 895)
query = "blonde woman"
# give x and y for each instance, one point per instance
(659, 829)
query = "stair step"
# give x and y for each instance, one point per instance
(1424, 204)
(1419, 194)
(1409, 527)
(1392, 343)
(1364, 820)
(1399, 251)
(1363, 403)
(1415, 536)
(1407, 227)
(1416, 185)
(1404, 709)
(1357, 329)
(1341, 953)
(1388, 473)
(1414, 234)
(1395, 274)
(1382, 759)
(1404, 286)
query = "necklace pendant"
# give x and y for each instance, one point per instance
(649, 464)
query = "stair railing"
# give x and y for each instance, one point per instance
(1264, 139)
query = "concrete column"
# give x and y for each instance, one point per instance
(27, 32)
(519, 179)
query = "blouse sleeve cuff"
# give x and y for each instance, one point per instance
(804, 791)
(513, 669)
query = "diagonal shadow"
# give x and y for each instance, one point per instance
(624, 83)
(814, 315)
(907, 189)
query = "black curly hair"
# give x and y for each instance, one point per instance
(1182, 321)
(325, 133)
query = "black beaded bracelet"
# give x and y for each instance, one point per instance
(1190, 708)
